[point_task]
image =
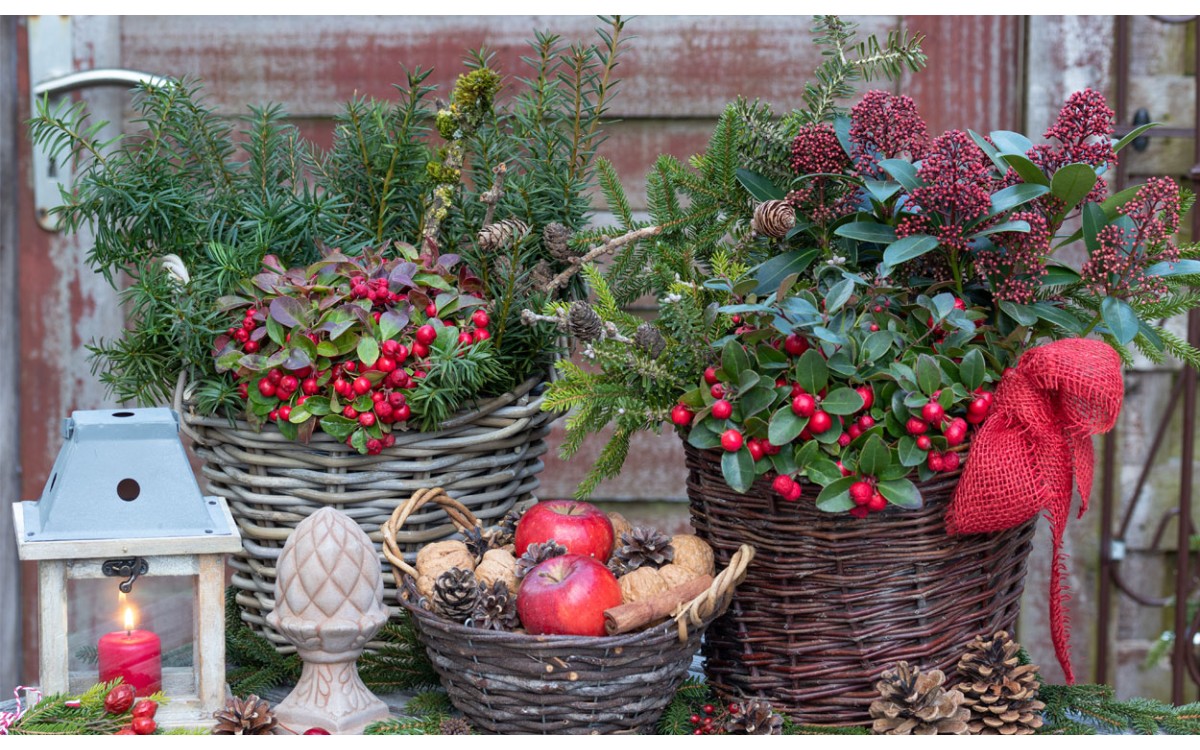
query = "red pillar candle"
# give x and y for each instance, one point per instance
(133, 655)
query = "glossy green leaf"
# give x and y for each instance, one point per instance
(738, 469)
(837, 296)
(1059, 275)
(772, 272)
(368, 350)
(903, 172)
(1120, 319)
(929, 375)
(971, 370)
(835, 497)
(1005, 226)
(785, 426)
(1072, 183)
(1015, 195)
(881, 191)
(1133, 134)
(338, 427)
(703, 438)
(867, 231)
(1178, 268)
(901, 492)
(842, 401)
(1059, 317)
(874, 457)
(1008, 142)
(758, 186)
(811, 372)
(1023, 314)
(910, 454)
(1026, 169)
(990, 150)
(906, 249)
(822, 470)
(734, 359)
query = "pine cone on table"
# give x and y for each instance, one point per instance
(1000, 692)
(454, 725)
(495, 608)
(454, 594)
(536, 554)
(250, 716)
(753, 717)
(915, 702)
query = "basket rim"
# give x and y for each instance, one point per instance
(183, 402)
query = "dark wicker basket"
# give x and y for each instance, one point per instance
(515, 683)
(831, 601)
(488, 456)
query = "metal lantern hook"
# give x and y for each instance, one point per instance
(128, 568)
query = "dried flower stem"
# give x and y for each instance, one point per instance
(493, 195)
(606, 247)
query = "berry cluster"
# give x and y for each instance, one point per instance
(344, 346)
(709, 720)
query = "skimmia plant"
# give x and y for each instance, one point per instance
(841, 291)
(208, 224)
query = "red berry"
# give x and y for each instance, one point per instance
(861, 492)
(956, 435)
(374, 447)
(288, 383)
(384, 410)
(316, 730)
(695, 719)
(243, 391)
(866, 421)
(756, 450)
(342, 387)
(794, 495)
(350, 412)
(420, 350)
(797, 390)
(708, 709)
(402, 413)
(285, 412)
(366, 419)
(482, 334)
(975, 418)
(949, 461)
(389, 347)
(731, 440)
(915, 426)
(310, 387)
(349, 367)
(301, 400)
(273, 415)
(876, 503)
(426, 334)
(251, 347)
(843, 440)
(795, 345)
(874, 327)
(396, 399)
(854, 432)
(465, 339)
(389, 440)
(933, 412)
(804, 405)
(681, 415)
(143, 725)
(401, 353)
(935, 461)
(722, 409)
(710, 376)
(783, 484)
(266, 387)
(480, 319)
(275, 376)
(385, 364)
(843, 469)
(361, 385)
(959, 304)
(431, 310)
(241, 335)
(868, 396)
(820, 422)
(924, 443)
(770, 448)
(145, 708)
(979, 406)
(360, 290)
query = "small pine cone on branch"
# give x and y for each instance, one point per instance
(556, 238)
(495, 608)
(753, 717)
(454, 594)
(915, 702)
(649, 340)
(501, 234)
(250, 716)
(535, 554)
(644, 546)
(583, 322)
(773, 219)
(1000, 691)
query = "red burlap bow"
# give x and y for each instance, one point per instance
(1038, 439)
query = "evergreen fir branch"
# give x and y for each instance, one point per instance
(614, 194)
(1086, 709)
(429, 703)
(1178, 347)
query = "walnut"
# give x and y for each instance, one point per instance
(498, 565)
(676, 575)
(620, 526)
(693, 553)
(425, 586)
(642, 583)
(435, 559)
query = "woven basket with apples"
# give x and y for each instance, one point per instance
(564, 619)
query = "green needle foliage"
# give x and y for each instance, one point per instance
(52, 715)
(1092, 709)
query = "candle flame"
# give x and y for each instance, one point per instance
(129, 622)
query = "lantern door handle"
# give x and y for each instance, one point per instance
(128, 568)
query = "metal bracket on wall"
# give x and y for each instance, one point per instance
(51, 69)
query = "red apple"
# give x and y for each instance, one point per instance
(567, 595)
(581, 527)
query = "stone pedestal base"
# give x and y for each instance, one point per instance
(333, 697)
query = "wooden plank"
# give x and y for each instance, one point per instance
(973, 77)
(209, 640)
(10, 347)
(53, 627)
(679, 66)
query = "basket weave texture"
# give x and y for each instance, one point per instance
(831, 601)
(516, 683)
(488, 457)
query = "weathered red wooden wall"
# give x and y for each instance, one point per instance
(678, 74)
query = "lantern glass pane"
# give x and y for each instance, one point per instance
(161, 613)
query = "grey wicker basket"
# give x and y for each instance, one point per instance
(488, 457)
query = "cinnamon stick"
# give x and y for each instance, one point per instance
(629, 617)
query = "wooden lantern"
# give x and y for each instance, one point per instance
(122, 506)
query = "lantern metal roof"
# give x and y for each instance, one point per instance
(124, 475)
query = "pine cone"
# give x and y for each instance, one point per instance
(506, 531)
(644, 546)
(555, 239)
(250, 716)
(649, 339)
(753, 717)
(541, 275)
(477, 542)
(773, 218)
(1000, 691)
(454, 725)
(914, 702)
(454, 594)
(536, 554)
(495, 608)
(583, 322)
(501, 234)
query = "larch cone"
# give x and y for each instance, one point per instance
(329, 603)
